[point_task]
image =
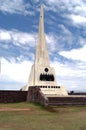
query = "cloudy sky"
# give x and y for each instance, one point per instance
(65, 28)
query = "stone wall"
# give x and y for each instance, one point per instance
(35, 95)
(70, 100)
(76, 93)
(7, 96)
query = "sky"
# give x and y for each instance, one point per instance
(65, 29)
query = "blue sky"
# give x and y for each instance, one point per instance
(65, 29)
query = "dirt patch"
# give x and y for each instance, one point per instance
(14, 109)
(82, 113)
(6, 126)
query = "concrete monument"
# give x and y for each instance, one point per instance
(42, 74)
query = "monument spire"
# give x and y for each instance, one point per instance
(41, 23)
(41, 49)
(42, 74)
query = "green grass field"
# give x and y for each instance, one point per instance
(35, 117)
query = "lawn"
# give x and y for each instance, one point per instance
(28, 116)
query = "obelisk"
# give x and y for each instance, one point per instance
(42, 57)
(42, 74)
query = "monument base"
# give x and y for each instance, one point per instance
(37, 95)
(50, 90)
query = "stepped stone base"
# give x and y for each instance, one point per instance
(54, 90)
(36, 94)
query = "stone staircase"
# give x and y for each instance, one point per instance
(36, 95)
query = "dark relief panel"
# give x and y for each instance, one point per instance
(46, 77)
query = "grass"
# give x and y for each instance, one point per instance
(40, 118)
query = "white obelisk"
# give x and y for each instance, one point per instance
(41, 73)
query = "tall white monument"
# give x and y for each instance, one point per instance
(41, 73)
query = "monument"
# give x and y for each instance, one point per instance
(42, 86)
(42, 74)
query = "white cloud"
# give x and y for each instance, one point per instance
(81, 40)
(14, 6)
(70, 69)
(66, 35)
(22, 38)
(54, 42)
(78, 19)
(75, 54)
(17, 45)
(71, 75)
(4, 35)
(17, 37)
(51, 42)
(57, 42)
(75, 8)
(26, 40)
(11, 71)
